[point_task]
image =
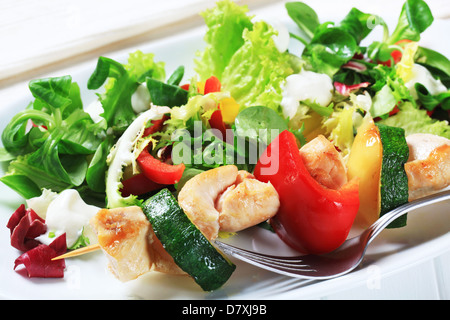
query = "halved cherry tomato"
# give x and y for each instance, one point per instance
(311, 218)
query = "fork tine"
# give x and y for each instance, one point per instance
(277, 264)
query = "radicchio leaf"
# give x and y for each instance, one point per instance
(38, 261)
(345, 90)
(25, 225)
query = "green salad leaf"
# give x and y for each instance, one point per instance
(430, 101)
(225, 24)
(260, 124)
(414, 19)
(52, 153)
(305, 18)
(168, 93)
(436, 63)
(124, 80)
(328, 46)
(415, 120)
(256, 72)
(243, 56)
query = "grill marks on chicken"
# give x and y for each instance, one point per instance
(428, 166)
(228, 199)
(127, 238)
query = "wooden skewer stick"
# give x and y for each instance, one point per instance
(78, 252)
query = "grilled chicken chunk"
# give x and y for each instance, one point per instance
(226, 199)
(127, 238)
(246, 203)
(428, 166)
(324, 162)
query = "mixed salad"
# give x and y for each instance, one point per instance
(250, 107)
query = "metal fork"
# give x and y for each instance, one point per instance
(336, 263)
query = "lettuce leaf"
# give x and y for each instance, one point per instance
(243, 56)
(340, 128)
(225, 22)
(123, 155)
(123, 82)
(415, 120)
(257, 71)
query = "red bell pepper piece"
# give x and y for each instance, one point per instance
(213, 84)
(156, 126)
(140, 184)
(185, 86)
(311, 218)
(216, 122)
(158, 171)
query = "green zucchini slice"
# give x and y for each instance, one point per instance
(190, 249)
(394, 181)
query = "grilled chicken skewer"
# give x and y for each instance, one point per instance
(126, 236)
(225, 199)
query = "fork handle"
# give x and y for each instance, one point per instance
(390, 216)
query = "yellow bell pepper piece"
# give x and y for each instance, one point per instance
(230, 109)
(201, 87)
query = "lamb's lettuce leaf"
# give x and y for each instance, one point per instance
(436, 63)
(414, 19)
(305, 17)
(123, 82)
(54, 152)
(169, 93)
(329, 45)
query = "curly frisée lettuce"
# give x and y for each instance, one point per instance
(123, 155)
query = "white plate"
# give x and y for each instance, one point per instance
(426, 236)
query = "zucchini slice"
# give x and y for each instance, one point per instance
(393, 179)
(378, 158)
(190, 249)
